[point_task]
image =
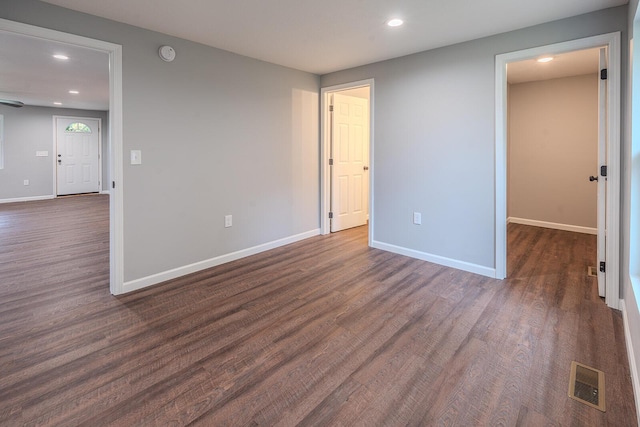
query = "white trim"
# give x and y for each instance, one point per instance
(635, 380)
(105, 192)
(55, 148)
(27, 199)
(436, 259)
(612, 41)
(213, 262)
(554, 225)
(1, 141)
(325, 174)
(115, 134)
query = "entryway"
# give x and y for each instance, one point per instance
(78, 148)
(346, 126)
(606, 171)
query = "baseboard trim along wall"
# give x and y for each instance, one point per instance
(154, 279)
(635, 381)
(105, 192)
(556, 226)
(26, 199)
(436, 259)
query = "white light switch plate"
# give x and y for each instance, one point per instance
(417, 218)
(136, 157)
(228, 221)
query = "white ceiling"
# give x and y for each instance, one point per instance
(331, 35)
(29, 73)
(565, 65)
(318, 37)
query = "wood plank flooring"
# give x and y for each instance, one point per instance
(322, 332)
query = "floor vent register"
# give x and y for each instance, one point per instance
(586, 385)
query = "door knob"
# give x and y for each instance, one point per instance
(593, 178)
(366, 168)
(59, 161)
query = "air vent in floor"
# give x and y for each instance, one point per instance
(586, 385)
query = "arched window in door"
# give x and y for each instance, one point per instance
(78, 127)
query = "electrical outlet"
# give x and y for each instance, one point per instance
(26, 182)
(417, 218)
(228, 221)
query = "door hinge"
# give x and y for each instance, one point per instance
(603, 74)
(330, 215)
(602, 267)
(113, 184)
(331, 108)
(603, 170)
(330, 162)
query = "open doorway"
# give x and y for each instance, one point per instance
(30, 85)
(553, 148)
(609, 131)
(347, 157)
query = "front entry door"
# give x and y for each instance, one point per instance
(78, 155)
(350, 170)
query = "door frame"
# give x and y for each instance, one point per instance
(55, 150)
(115, 160)
(325, 150)
(612, 42)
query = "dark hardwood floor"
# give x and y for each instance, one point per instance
(322, 332)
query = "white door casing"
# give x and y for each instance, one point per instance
(612, 42)
(350, 154)
(602, 180)
(77, 155)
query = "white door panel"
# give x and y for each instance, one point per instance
(350, 176)
(78, 155)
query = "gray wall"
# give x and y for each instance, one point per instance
(553, 149)
(30, 129)
(435, 137)
(219, 133)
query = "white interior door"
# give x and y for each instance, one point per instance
(350, 154)
(602, 180)
(77, 155)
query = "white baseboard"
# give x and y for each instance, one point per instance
(635, 380)
(27, 199)
(436, 259)
(556, 226)
(201, 265)
(105, 192)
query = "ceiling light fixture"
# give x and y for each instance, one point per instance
(74, 92)
(62, 57)
(12, 103)
(57, 103)
(395, 22)
(545, 59)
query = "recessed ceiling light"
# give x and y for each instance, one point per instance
(74, 92)
(546, 59)
(395, 22)
(63, 57)
(57, 103)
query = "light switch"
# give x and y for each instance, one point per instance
(417, 218)
(228, 221)
(136, 157)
